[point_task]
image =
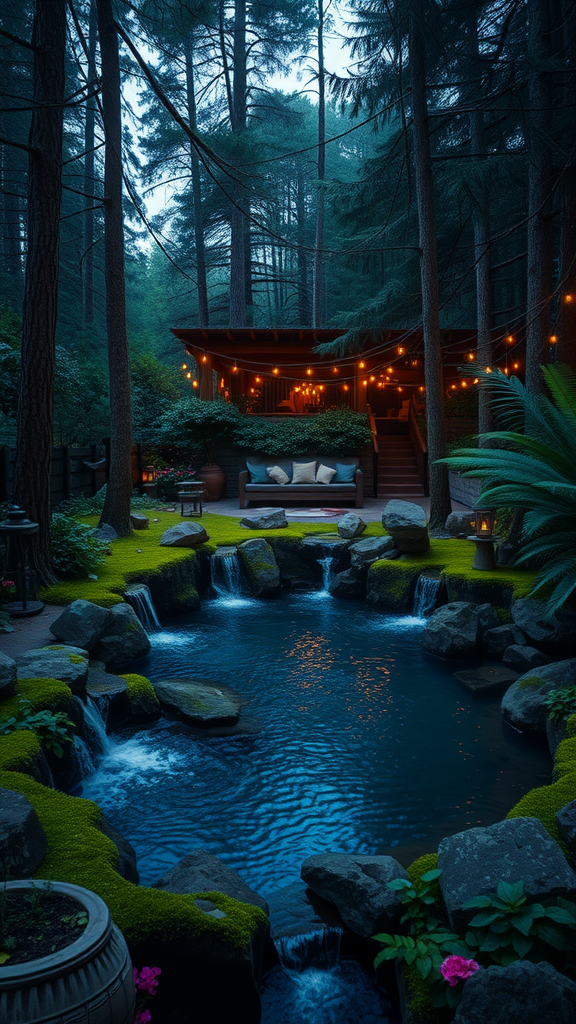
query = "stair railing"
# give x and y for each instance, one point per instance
(420, 447)
(375, 450)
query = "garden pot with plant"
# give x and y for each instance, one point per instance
(62, 958)
(194, 425)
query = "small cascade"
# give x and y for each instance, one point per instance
(227, 580)
(426, 595)
(95, 729)
(84, 758)
(328, 565)
(140, 598)
(319, 948)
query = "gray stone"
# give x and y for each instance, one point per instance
(68, 649)
(124, 639)
(364, 552)
(555, 733)
(23, 844)
(139, 521)
(350, 526)
(81, 624)
(43, 663)
(201, 872)
(522, 993)
(566, 821)
(105, 533)
(460, 524)
(261, 567)
(199, 701)
(317, 545)
(489, 678)
(350, 583)
(521, 657)
(111, 694)
(267, 521)
(498, 639)
(456, 630)
(184, 535)
(297, 910)
(406, 522)
(127, 863)
(523, 704)
(518, 849)
(553, 633)
(8, 676)
(356, 884)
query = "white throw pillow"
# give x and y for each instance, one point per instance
(277, 475)
(325, 474)
(304, 472)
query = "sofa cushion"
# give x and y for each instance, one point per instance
(278, 475)
(298, 488)
(304, 472)
(258, 472)
(344, 474)
(325, 474)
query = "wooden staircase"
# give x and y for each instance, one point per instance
(398, 475)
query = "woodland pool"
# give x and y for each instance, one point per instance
(355, 741)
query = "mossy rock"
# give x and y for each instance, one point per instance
(391, 585)
(144, 704)
(544, 801)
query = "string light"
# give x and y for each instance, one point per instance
(516, 366)
(194, 383)
(184, 366)
(389, 370)
(276, 370)
(234, 368)
(488, 369)
(365, 383)
(510, 339)
(476, 380)
(553, 339)
(464, 384)
(189, 375)
(204, 359)
(471, 357)
(421, 388)
(334, 369)
(568, 298)
(453, 387)
(361, 365)
(401, 350)
(257, 380)
(399, 389)
(345, 387)
(372, 379)
(309, 372)
(506, 370)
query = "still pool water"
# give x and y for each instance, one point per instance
(357, 741)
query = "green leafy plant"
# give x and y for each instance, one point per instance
(336, 432)
(509, 928)
(533, 469)
(561, 703)
(77, 553)
(52, 728)
(193, 425)
(93, 505)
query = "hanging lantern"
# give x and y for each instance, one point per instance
(19, 568)
(485, 522)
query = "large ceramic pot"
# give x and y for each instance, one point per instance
(89, 981)
(214, 480)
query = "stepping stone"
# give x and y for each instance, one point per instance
(485, 680)
(199, 701)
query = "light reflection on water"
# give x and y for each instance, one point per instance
(359, 742)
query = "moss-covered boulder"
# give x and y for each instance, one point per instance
(58, 663)
(391, 585)
(124, 638)
(143, 703)
(198, 701)
(260, 566)
(523, 703)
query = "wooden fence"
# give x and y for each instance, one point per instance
(73, 471)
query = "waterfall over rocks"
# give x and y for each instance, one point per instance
(328, 563)
(227, 579)
(140, 598)
(426, 595)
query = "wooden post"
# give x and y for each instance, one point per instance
(206, 384)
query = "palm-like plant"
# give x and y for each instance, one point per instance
(534, 469)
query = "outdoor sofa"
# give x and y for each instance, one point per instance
(346, 485)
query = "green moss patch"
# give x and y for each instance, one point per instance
(43, 694)
(531, 683)
(544, 801)
(19, 752)
(142, 695)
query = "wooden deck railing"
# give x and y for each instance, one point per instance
(420, 447)
(375, 450)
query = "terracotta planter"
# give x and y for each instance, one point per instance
(214, 480)
(90, 980)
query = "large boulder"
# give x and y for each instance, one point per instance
(82, 623)
(275, 520)
(456, 630)
(8, 676)
(522, 993)
(523, 704)
(521, 657)
(127, 863)
(406, 523)
(356, 884)
(199, 701)
(498, 639)
(554, 633)
(391, 588)
(55, 663)
(184, 535)
(261, 567)
(364, 552)
(23, 844)
(201, 872)
(350, 526)
(460, 524)
(350, 583)
(518, 849)
(566, 821)
(124, 638)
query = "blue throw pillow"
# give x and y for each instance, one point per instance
(258, 473)
(344, 474)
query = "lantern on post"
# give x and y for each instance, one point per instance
(17, 532)
(149, 481)
(484, 539)
(485, 522)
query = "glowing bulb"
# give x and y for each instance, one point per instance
(488, 369)
(464, 384)
(194, 383)
(389, 370)
(372, 378)
(204, 359)
(309, 372)
(296, 389)
(321, 388)
(399, 389)
(516, 366)
(251, 391)
(361, 365)
(476, 380)
(421, 388)
(345, 387)
(453, 386)
(365, 383)
(275, 370)
(567, 298)
(401, 350)
(184, 366)
(334, 369)
(506, 370)
(471, 357)
(234, 368)
(257, 380)
(510, 339)
(189, 375)
(553, 339)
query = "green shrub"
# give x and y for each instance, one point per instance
(77, 553)
(92, 506)
(337, 432)
(53, 728)
(561, 703)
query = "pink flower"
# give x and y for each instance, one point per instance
(143, 1017)
(145, 980)
(456, 968)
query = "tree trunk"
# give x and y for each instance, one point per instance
(203, 314)
(567, 322)
(539, 240)
(12, 240)
(318, 298)
(440, 505)
(304, 311)
(34, 423)
(237, 221)
(89, 181)
(116, 510)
